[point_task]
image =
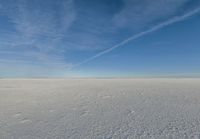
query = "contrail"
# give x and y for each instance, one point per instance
(141, 34)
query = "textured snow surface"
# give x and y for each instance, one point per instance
(100, 109)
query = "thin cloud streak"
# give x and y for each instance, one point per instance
(141, 34)
(37, 32)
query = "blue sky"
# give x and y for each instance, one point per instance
(99, 38)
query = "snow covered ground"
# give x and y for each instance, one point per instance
(100, 109)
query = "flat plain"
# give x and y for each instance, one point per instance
(100, 108)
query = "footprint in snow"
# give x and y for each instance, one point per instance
(106, 97)
(130, 112)
(17, 115)
(25, 120)
(52, 110)
(84, 113)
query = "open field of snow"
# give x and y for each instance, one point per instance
(99, 108)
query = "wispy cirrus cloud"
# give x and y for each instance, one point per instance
(137, 13)
(37, 27)
(141, 34)
(45, 32)
(42, 19)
